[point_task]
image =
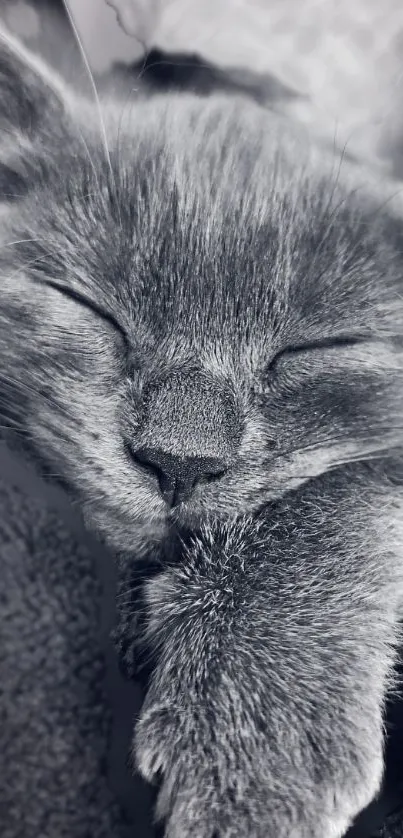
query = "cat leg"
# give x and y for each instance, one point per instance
(276, 644)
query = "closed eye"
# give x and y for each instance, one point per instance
(343, 341)
(89, 304)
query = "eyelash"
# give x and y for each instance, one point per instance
(330, 343)
(98, 310)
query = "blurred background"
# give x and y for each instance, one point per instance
(339, 63)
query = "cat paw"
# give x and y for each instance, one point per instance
(210, 791)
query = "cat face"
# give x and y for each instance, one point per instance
(196, 322)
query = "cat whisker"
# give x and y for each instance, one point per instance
(93, 86)
(168, 63)
(20, 241)
(336, 180)
(13, 427)
(22, 387)
(13, 47)
(28, 264)
(332, 218)
(127, 102)
(82, 140)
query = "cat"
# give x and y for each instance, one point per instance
(201, 338)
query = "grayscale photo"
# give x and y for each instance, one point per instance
(201, 419)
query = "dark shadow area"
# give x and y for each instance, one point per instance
(371, 822)
(162, 72)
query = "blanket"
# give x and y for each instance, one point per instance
(64, 770)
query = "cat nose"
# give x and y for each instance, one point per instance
(178, 476)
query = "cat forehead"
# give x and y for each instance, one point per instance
(229, 200)
(236, 260)
(205, 216)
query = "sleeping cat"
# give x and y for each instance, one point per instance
(201, 336)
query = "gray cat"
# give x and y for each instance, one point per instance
(201, 322)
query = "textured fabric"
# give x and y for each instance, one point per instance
(55, 705)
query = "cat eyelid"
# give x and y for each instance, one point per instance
(87, 302)
(343, 341)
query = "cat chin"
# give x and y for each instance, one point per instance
(137, 537)
(141, 537)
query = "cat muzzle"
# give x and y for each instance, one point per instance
(178, 476)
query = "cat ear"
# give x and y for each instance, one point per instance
(33, 100)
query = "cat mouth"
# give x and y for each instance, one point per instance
(182, 515)
(187, 516)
